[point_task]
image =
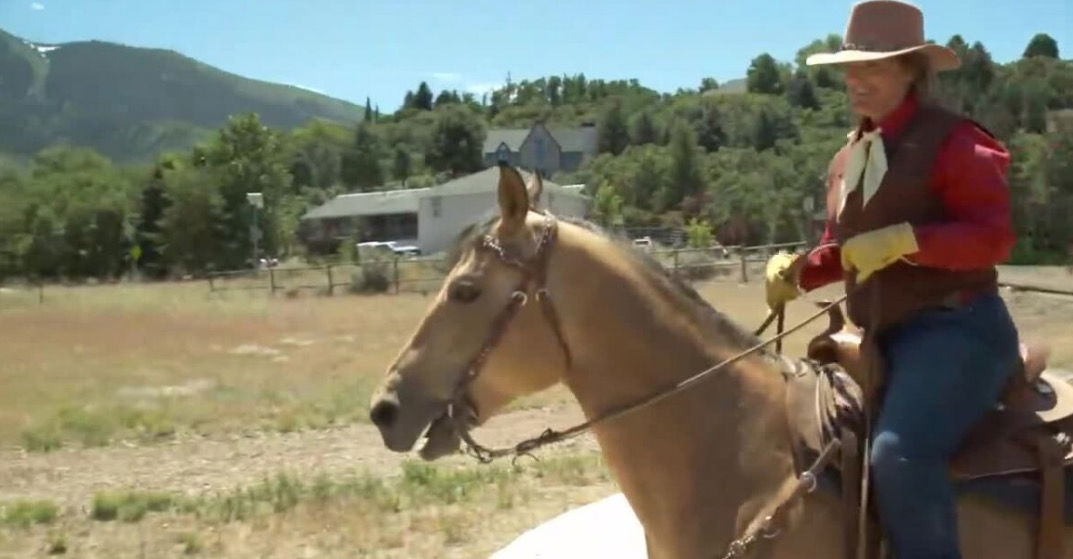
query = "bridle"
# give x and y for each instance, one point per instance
(534, 274)
(532, 284)
(534, 271)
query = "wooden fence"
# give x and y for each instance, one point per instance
(426, 274)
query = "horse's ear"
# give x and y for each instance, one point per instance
(513, 197)
(536, 188)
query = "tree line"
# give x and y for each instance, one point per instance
(746, 166)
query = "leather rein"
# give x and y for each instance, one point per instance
(461, 410)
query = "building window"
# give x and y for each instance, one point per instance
(437, 205)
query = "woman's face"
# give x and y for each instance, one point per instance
(877, 87)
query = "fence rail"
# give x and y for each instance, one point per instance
(425, 274)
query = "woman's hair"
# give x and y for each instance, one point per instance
(923, 75)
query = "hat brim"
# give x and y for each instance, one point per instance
(940, 57)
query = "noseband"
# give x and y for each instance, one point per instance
(534, 272)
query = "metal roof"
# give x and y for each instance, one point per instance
(513, 137)
(409, 201)
(488, 181)
(581, 139)
(369, 203)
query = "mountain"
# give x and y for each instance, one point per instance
(131, 103)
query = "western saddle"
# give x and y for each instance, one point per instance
(1029, 433)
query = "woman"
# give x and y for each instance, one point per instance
(918, 218)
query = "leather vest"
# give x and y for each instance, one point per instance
(905, 195)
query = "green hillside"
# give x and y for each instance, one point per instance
(132, 103)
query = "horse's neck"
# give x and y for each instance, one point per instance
(699, 460)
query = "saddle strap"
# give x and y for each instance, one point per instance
(851, 491)
(1050, 539)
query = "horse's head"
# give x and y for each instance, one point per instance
(484, 341)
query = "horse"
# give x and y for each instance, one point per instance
(700, 468)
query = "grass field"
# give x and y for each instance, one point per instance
(165, 421)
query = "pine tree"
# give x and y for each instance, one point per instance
(686, 178)
(154, 202)
(644, 130)
(710, 132)
(1042, 45)
(800, 92)
(368, 110)
(444, 98)
(764, 132)
(361, 165)
(763, 76)
(612, 134)
(423, 97)
(401, 166)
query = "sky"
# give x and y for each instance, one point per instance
(382, 48)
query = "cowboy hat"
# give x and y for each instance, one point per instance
(883, 29)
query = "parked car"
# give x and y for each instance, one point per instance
(386, 248)
(643, 243)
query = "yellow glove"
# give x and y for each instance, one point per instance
(780, 281)
(872, 251)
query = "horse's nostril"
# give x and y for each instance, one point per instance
(383, 413)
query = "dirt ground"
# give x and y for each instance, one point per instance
(220, 458)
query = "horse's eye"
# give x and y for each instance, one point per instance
(464, 291)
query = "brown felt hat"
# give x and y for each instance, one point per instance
(883, 29)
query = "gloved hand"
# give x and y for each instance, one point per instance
(872, 251)
(780, 279)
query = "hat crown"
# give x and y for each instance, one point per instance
(884, 25)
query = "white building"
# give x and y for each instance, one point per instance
(432, 217)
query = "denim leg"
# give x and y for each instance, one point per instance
(945, 369)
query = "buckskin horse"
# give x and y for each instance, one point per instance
(717, 465)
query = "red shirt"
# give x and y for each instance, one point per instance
(969, 177)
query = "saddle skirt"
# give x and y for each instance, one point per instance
(824, 398)
(1028, 434)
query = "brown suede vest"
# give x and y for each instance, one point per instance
(905, 195)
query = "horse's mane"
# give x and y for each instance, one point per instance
(674, 283)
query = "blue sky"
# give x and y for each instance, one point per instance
(353, 49)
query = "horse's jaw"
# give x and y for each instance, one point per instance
(441, 440)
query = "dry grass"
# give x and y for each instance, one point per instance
(426, 511)
(93, 365)
(99, 365)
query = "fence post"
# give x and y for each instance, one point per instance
(331, 284)
(40, 293)
(395, 272)
(675, 252)
(744, 271)
(212, 288)
(272, 279)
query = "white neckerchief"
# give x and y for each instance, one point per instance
(868, 156)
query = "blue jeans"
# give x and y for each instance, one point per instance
(944, 369)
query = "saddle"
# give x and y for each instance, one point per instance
(1029, 432)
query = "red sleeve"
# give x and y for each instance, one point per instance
(970, 179)
(823, 264)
